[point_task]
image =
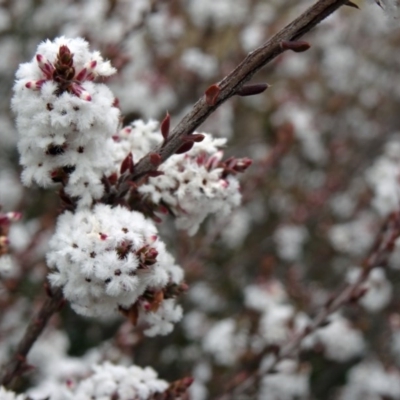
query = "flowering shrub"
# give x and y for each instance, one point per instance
(158, 247)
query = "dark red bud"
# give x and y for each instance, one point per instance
(212, 94)
(165, 124)
(184, 148)
(154, 174)
(251, 90)
(297, 46)
(127, 164)
(155, 159)
(197, 137)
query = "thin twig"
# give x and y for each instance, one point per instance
(17, 365)
(232, 83)
(378, 256)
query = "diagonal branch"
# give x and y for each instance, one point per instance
(230, 85)
(17, 365)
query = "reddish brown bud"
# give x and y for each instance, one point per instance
(212, 94)
(165, 124)
(154, 174)
(185, 147)
(127, 164)
(197, 137)
(155, 159)
(252, 90)
(297, 46)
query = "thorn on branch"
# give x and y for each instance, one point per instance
(212, 94)
(252, 90)
(351, 4)
(297, 46)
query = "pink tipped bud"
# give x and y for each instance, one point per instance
(152, 239)
(79, 91)
(127, 130)
(14, 216)
(46, 66)
(87, 72)
(103, 236)
(224, 183)
(214, 160)
(35, 85)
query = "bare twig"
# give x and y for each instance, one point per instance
(378, 256)
(232, 83)
(17, 364)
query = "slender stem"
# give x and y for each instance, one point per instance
(377, 257)
(230, 85)
(17, 365)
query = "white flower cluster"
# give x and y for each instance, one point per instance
(122, 382)
(371, 380)
(383, 178)
(193, 186)
(109, 381)
(9, 395)
(111, 258)
(63, 118)
(379, 289)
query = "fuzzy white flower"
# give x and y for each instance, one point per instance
(106, 382)
(106, 258)
(379, 289)
(225, 341)
(331, 337)
(194, 186)
(64, 118)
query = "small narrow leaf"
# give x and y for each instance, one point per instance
(165, 125)
(127, 164)
(184, 148)
(297, 46)
(251, 90)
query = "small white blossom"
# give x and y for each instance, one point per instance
(370, 380)
(225, 341)
(335, 346)
(379, 289)
(193, 186)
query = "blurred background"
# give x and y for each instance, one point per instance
(325, 144)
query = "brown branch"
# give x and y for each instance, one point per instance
(17, 365)
(232, 83)
(378, 257)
